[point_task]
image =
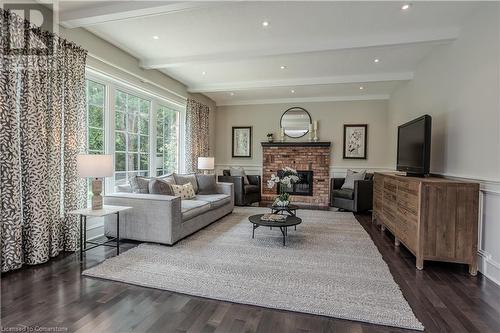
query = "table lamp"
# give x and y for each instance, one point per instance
(206, 163)
(96, 167)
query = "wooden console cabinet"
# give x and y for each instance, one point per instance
(435, 218)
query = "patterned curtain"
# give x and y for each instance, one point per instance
(196, 133)
(42, 129)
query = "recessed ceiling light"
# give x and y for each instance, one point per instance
(376, 60)
(156, 37)
(406, 6)
(292, 91)
(361, 88)
(265, 24)
(203, 73)
(283, 67)
(231, 93)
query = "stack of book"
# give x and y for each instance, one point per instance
(273, 217)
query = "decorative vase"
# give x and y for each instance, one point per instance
(269, 139)
(280, 203)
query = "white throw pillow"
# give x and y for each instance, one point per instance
(185, 191)
(351, 177)
(239, 172)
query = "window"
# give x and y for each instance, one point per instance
(131, 136)
(167, 140)
(95, 101)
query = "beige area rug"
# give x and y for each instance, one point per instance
(329, 267)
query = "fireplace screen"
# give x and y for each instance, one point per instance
(303, 187)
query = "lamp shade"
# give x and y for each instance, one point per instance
(206, 163)
(95, 166)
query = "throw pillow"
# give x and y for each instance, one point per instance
(206, 184)
(188, 178)
(160, 186)
(239, 172)
(139, 184)
(185, 191)
(351, 177)
(169, 178)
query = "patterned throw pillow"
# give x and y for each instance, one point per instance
(139, 184)
(187, 178)
(185, 191)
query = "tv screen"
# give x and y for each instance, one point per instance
(414, 146)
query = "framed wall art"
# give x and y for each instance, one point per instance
(242, 141)
(355, 141)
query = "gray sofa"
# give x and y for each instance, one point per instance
(167, 219)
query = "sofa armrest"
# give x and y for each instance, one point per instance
(226, 188)
(239, 190)
(363, 195)
(254, 179)
(153, 217)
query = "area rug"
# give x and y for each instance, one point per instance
(329, 267)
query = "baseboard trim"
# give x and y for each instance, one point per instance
(489, 267)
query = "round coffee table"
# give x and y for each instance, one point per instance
(289, 222)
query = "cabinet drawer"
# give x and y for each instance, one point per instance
(390, 184)
(406, 216)
(411, 236)
(408, 201)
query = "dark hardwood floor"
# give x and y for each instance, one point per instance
(444, 297)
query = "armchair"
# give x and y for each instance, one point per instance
(244, 195)
(359, 199)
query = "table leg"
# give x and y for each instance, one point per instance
(85, 233)
(253, 230)
(81, 238)
(283, 232)
(117, 233)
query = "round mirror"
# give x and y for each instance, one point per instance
(295, 122)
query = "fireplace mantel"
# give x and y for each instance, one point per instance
(296, 144)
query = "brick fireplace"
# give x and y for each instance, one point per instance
(303, 156)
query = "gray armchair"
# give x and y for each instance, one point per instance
(359, 199)
(244, 195)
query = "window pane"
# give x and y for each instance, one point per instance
(143, 125)
(120, 141)
(132, 123)
(145, 106)
(144, 144)
(167, 140)
(132, 104)
(95, 93)
(120, 120)
(96, 116)
(120, 178)
(121, 101)
(96, 139)
(120, 162)
(133, 142)
(132, 161)
(159, 145)
(144, 162)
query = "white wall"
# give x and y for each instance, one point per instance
(331, 116)
(458, 85)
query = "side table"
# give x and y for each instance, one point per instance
(88, 212)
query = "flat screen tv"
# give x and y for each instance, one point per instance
(414, 146)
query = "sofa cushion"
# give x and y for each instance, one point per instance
(252, 189)
(343, 193)
(160, 186)
(206, 184)
(215, 200)
(124, 188)
(186, 178)
(185, 191)
(193, 208)
(351, 177)
(139, 184)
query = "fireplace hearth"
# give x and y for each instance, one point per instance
(303, 187)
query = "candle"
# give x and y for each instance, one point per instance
(310, 127)
(282, 131)
(315, 125)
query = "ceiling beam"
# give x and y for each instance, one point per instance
(118, 11)
(305, 100)
(435, 36)
(235, 86)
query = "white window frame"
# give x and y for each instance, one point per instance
(111, 86)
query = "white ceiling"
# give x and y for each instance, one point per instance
(222, 50)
